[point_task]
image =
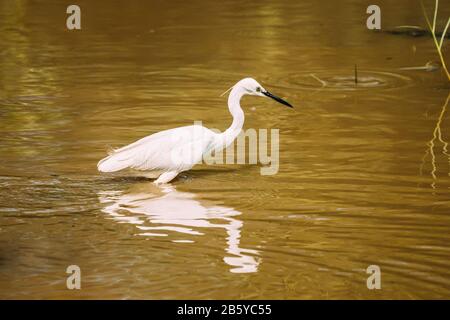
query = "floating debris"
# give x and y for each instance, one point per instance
(413, 31)
(429, 67)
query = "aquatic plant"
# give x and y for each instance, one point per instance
(437, 42)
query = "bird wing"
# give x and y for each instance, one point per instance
(169, 150)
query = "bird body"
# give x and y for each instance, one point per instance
(160, 151)
(172, 151)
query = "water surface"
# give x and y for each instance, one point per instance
(364, 169)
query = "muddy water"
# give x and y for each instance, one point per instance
(364, 169)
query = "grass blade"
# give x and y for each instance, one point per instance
(435, 15)
(443, 34)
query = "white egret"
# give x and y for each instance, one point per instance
(169, 152)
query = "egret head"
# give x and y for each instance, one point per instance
(252, 87)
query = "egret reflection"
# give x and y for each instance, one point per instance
(165, 212)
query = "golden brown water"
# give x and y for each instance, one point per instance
(364, 171)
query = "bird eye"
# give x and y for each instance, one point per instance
(258, 89)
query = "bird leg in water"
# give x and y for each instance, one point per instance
(166, 177)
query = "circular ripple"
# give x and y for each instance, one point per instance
(343, 81)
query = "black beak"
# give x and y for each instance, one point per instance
(278, 99)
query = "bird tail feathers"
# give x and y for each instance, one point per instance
(113, 162)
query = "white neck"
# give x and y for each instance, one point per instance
(238, 115)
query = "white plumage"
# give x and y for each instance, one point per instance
(169, 152)
(161, 151)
